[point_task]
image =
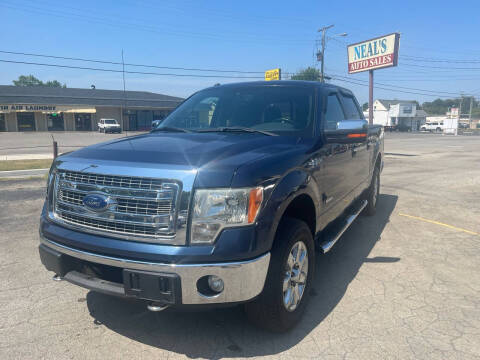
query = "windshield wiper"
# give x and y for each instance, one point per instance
(170, 129)
(238, 129)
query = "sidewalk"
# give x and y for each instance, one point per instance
(22, 174)
(26, 157)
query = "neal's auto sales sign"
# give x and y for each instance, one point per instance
(372, 54)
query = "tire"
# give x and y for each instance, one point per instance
(438, 130)
(268, 310)
(372, 193)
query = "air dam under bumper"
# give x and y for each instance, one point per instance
(243, 280)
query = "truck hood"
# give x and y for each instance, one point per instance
(215, 156)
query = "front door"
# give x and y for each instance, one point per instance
(3, 125)
(83, 122)
(55, 122)
(26, 121)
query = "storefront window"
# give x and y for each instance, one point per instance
(83, 122)
(26, 121)
(3, 125)
(55, 122)
(144, 119)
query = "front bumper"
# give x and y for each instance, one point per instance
(113, 130)
(243, 280)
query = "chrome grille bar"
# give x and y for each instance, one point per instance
(141, 209)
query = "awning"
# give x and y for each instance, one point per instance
(82, 111)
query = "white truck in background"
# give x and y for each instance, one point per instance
(435, 126)
(446, 125)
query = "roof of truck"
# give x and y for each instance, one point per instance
(302, 83)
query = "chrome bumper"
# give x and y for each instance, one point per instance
(243, 280)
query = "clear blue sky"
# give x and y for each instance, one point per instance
(240, 35)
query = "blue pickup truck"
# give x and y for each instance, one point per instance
(230, 200)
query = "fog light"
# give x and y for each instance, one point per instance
(215, 283)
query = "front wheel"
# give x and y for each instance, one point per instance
(283, 300)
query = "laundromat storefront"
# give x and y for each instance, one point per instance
(29, 117)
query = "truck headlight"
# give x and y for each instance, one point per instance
(215, 209)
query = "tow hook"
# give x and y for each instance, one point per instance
(155, 306)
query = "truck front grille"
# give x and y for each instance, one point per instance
(138, 208)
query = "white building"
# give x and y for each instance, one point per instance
(400, 114)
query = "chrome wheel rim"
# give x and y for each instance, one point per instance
(296, 272)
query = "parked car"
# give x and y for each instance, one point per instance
(432, 127)
(462, 125)
(109, 126)
(232, 199)
(402, 128)
(155, 123)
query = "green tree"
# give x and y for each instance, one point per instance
(441, 106)
(310, 74)
(365, 106)
(30, 80)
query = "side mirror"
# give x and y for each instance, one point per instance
(348, 132)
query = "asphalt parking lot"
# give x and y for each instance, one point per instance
(404, 284)
(14, 144)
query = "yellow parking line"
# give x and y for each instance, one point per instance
(441, 224)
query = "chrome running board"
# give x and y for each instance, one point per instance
(328, 244)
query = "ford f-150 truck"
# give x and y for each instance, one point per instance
(231, 199)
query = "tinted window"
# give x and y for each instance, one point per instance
(334, 112)
(287, 109)
(110, 121)
(351, 109)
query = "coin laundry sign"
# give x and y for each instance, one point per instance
(373, 54)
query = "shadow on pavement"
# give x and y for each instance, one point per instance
(225, 332)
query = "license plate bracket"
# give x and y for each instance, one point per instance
(161, 287)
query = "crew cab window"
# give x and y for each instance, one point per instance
(351, 109)
(334, 112)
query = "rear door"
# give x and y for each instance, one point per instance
(334, 182)
(359, 155)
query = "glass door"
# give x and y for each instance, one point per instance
(3, 125)
(55, 122)
(26, 121)
(83, 122)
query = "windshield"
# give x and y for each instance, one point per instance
(110, 121)
(278, 109)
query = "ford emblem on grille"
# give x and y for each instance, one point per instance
(97, 202)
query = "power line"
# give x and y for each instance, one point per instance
(442, 67)
(129, 64)
(440, 60)
(395, 90)
(404, 87)
(392, 88)
(131, 72)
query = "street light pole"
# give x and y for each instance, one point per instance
(323, 30)
(324, 42)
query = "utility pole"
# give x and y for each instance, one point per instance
(323, 30)
(124, 95)
(470, 112)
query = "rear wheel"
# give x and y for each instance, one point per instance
(283, 300)
(372, 193)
